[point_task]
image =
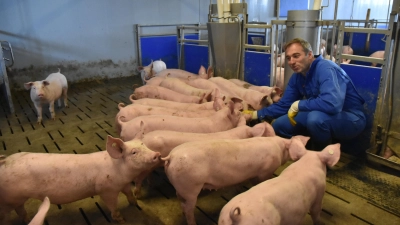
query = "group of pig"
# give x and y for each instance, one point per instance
(205, 143)
(193, 126)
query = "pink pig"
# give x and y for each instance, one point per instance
(132, 111)
(286, 199)
(225, 119)
(66, 178)
(214, 164)
(157, 92)
(164, 141)
(377, 54)
(47, 91)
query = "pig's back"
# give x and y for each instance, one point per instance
(32, 170)
(57, 79)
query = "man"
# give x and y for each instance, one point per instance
(320, 100)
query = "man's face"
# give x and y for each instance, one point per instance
(298, 61)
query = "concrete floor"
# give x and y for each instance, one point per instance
(84, 126)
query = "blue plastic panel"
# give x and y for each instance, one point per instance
(366, 80)
(159, 47)
(195, 56)
(257, 68)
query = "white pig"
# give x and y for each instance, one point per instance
(47, 91)
(286, 199)
(214, 164)
(66, 178)
(41, 214)
(146, 72)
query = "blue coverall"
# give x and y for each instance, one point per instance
(329, 107)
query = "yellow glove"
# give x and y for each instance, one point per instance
(252, 113)
(294, 109)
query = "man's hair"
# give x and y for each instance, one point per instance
(305, 44)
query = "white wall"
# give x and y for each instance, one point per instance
(87, 38)
(94, 39)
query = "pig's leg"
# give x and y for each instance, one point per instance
(188, 203)
(129, 194)
(20, 210)
(138, 182)
(110, 198)
(39, 112)
(65, 90)
(316, 209)
(51, 109)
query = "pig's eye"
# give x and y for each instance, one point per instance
(133, 153)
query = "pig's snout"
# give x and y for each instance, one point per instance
(156, 157)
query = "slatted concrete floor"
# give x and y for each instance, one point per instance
(83, 128)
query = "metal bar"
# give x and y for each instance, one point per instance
(367, 30)
(260, 47)
(139, 49)
(263, 26)
(193, 27)
(363, 58)
(194, 41)
(4, 76)
(165, 25)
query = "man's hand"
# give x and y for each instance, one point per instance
(249, 114)
(294, 109)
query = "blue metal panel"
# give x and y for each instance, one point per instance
(366, 80)
(195, 56)
(257, 68)
(159, 47)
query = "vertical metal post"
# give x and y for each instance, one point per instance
(4, 77)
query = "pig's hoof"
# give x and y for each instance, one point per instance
(117, 217)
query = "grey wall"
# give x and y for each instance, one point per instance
(95, 39)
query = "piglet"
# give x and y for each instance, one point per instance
(47, 91)
(214, 164)
(147, 72)
(66, 178)
(41, 214)
(377, 54)
(286, 199)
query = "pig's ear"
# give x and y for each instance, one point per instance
(231, 106)
(140, 68)
(114, 147)
(45, 83)
(210, 72)
(239, 103)
(266, 101)
(303, 139)
(202, 70)
(296, 149)
(258, 130)
(330, 155)
(28, 85)
(268, 129)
